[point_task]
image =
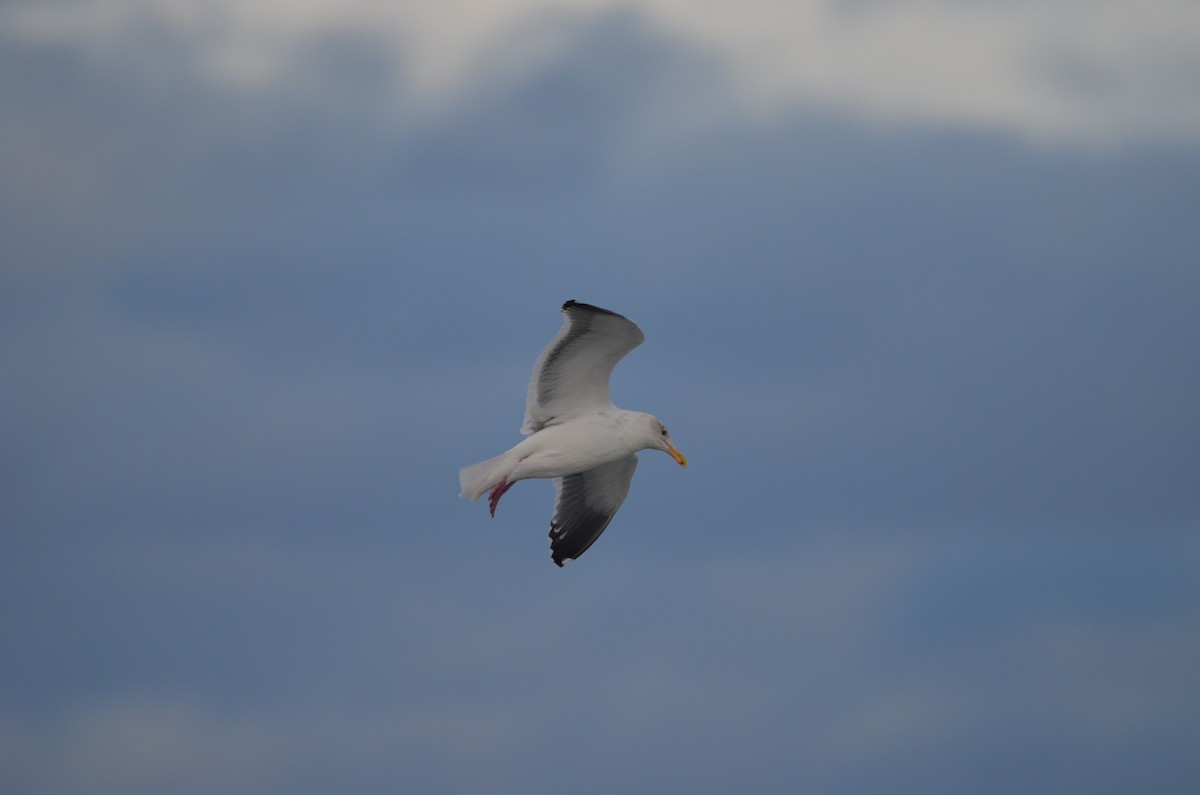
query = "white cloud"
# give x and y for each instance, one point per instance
(1095, 71)
(992, 65)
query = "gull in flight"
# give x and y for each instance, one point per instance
(575, 435)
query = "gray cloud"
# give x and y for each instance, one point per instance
(937, 390)
(866, 663)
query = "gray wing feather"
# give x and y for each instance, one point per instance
(571, 375)
(585, 504)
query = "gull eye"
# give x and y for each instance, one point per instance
(664, 432)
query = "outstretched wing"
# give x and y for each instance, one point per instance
(571, 376)
(586, 503)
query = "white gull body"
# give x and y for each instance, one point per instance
(576, 436)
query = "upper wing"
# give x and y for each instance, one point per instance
(586, 503)
(571, 375)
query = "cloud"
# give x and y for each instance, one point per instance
(1100, 72)
(286, 665)
(279, 269)
(937, 299)
(980, 65)
(288, 275)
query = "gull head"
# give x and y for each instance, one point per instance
(659, 439)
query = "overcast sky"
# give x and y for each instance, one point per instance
(919, 283)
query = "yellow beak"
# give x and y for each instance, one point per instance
(678, 456)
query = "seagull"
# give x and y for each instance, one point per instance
(575, 435)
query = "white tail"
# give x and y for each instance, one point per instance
(478, 479)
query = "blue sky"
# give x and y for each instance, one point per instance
(918, 282)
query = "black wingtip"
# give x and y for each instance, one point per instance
(573, 304)
(557, 553)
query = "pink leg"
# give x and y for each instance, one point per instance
(497, 493)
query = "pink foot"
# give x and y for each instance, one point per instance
(497, 493)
